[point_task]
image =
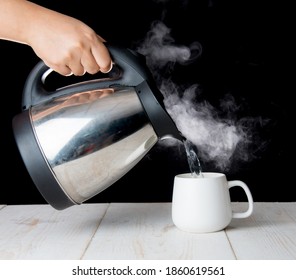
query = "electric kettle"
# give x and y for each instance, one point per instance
(77, 140)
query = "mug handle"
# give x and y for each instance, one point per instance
(241, 184)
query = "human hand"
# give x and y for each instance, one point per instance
(67, 45)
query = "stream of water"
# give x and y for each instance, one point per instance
(192, 158)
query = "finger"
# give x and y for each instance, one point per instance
(76, 68)
(108, 70)
(70, 74)
(62, 70)
(102, 57)
(101, 39)
(89, 63)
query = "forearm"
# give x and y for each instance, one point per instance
(19, 18)
(64, 43)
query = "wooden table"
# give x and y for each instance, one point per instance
(138, 231)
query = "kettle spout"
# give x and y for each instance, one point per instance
(161, 121)
(178, 136)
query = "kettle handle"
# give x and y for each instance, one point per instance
(132, 67)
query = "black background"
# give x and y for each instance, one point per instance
(246, 52)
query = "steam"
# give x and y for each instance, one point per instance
(220, 136)
(220, 140)
(163, 53)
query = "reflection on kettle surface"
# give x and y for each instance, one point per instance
(72, 100)
(92, 136)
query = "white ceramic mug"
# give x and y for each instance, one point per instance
(202, 204)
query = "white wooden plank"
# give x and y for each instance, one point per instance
(270, 233)
(141, 231)
(146, 231)
(289, 208)
(41, 232)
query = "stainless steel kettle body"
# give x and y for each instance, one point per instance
(79, 139)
